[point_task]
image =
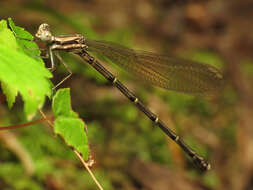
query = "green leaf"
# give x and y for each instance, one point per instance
(6, 36)
(22, 73)
(68, 125)
(10, 92)
(62, 104)
(72, 131)
(25, 41)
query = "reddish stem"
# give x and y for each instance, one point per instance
(28, 123)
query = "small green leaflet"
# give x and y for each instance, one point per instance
(21, 70)
(25, 41)
(68, 125)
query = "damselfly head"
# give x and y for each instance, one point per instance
(44, 33)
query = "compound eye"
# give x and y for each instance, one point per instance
(44, 33)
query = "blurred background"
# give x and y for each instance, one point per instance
(129, 152)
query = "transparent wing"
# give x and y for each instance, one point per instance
(161, 70)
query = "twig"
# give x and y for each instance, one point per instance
(78, 155)
(88, 169)
(27, 124)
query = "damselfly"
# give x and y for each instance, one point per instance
(160, 70)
